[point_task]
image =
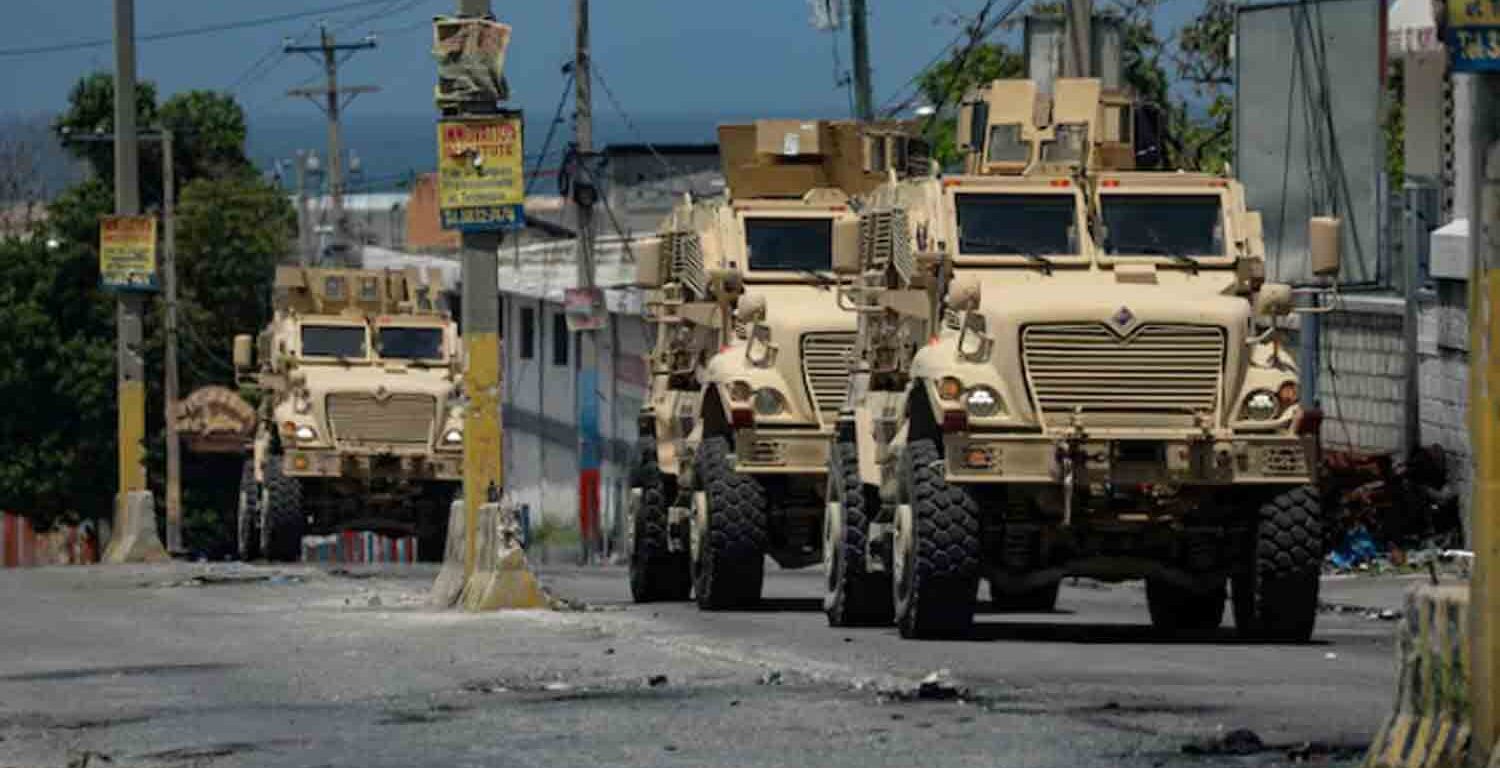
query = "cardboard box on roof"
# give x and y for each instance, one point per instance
(790, 138)
(844, 159)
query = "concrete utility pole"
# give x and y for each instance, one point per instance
(859, 34)
(304, 240)
(585, 192)
(169, 283)
(1484, 399)
(484, 470)
(1080, 34)
(332, 99)
(130, 368)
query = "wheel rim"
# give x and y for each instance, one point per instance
(632, 512)
(833, 544)
(699, 528)
(901, 564)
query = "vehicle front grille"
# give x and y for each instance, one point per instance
(357, 417)
(1161, 368)
(825, 361)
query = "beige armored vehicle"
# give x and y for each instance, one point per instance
(1070, 367)
(751, 359)
(360, 417)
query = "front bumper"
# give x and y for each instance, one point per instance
(445, 465)
(795, 451)
(1130, 459)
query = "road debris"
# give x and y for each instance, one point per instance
(936, 686)
(656, 681)
(1240, 741)
(772, 677)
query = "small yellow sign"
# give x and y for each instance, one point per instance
(1473, 13)
(127, 253)
(481, 178)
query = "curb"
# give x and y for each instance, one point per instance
(450, 579)
(1430, 727)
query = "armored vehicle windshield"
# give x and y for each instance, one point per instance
(1162, 225)
(1008, 224)
(789, 244)
(409, 343)
(338, 341)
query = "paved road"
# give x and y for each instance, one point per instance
(300, 667)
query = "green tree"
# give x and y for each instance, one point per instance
(209, 129)
(944, 85)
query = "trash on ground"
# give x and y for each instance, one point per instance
(1240, 741)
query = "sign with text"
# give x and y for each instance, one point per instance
(1473, 35)
(584, 309)
(481, 183)
(127, 253)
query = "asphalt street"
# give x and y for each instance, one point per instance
(229, 665)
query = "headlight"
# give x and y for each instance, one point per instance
(768, 402)
(1261, 405)
(306, 434)
(983, 402)
(453, 437)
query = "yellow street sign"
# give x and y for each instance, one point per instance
(481, 179)
(127, 253)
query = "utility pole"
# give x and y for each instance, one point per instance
(332, 99)
(1484, 399)
(484, 466)
(585, 191)
(130, 371)
(1080, 34)
(169, 283)
(304, 247)
(859, 34)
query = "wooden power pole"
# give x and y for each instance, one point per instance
(585, 194)
(332, 98)
(859, 36)
(169, 284)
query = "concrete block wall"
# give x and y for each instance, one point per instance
(1362, 383)
(1443, 342)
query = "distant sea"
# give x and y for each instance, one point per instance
(394, 147)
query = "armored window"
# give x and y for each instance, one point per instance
(560, 339)
(1068, 144)
(410, 343)
(341, 341)
(792, 245)
(875, 154)
(1006, 145)
(333, 287)
(1016, 225)
(369, 289)
(1162, 225)
(528, 333)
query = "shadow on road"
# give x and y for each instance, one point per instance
(1106, 634)
(788, 605)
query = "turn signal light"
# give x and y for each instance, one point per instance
(742, 417)
(955, 421)
(950, 388)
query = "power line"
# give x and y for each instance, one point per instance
(620, 110)
(206, 29)
(562, 103)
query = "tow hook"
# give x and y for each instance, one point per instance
(1072, 458)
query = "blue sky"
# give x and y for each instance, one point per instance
(659, 56)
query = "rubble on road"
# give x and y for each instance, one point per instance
(1240, 741)
(936, 686)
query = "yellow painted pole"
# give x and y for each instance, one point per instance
(483, 442)
(1484, 414)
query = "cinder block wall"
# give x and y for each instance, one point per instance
(1361, 384)
(1444, 347)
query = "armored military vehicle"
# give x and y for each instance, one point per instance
(751, 358)
(361, 411)
(1068, 366)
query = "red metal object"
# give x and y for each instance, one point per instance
(741, 417)
(955, 421)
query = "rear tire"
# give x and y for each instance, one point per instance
(936, 588)
(854, 596)
(1276, 592)
(1177, 611)
(247, 514)
(731, 562)
(656, 573)
(282, 519)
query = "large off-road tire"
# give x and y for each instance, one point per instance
(1178, 611)
(854, 596)
(282, 519)
(247, 514)
(1276, 590)
(937, 577)
(656, 573)
(730, 562)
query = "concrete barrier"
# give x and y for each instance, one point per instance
(450, 579)
(502, 578)
(136, 541)
(1430, 725)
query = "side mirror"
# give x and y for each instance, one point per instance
(244, 352)
(1323, 245)
(1273, 300)
(964, 294)
(652, 270)
(846, 248)
(728, 280)
(751, 309)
